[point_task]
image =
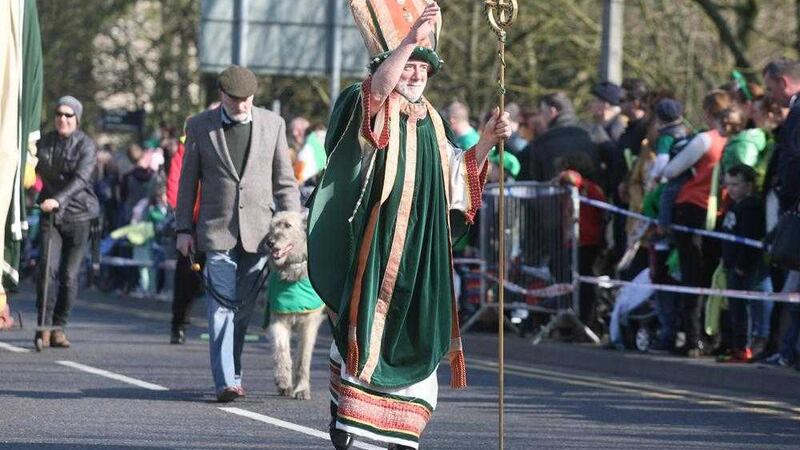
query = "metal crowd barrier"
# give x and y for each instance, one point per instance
(541, 253)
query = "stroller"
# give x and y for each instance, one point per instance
(633, 322)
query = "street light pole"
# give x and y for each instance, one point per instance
(611, 55)
(239, 53)
(335, 45)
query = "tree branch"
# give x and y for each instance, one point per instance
(725, 34)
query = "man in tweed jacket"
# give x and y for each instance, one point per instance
(237, 161)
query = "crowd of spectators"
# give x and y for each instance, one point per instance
(736, 173)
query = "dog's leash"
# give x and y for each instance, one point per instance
(222, 299)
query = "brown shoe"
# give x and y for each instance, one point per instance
(58, 339)
(44, 336)
(230, 394)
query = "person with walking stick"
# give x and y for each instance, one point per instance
(67, 158)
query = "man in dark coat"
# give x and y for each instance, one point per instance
(565, 134)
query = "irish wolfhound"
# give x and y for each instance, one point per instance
(294, 306)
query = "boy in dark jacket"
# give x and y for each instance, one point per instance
(744, 265)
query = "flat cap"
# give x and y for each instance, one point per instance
(238, 81)
(608, 92)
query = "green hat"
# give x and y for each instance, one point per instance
(510, 162)
(237, 81)
(419, 53)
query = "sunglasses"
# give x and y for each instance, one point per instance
(67, 115)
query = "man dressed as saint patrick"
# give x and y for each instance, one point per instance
(394, 195)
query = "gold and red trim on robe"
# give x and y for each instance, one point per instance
(398, 416)
(476, 179)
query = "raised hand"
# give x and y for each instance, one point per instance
(424, 25)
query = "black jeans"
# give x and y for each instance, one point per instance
(188, 287)
(68, 245)
(587, 256)
(698, 259)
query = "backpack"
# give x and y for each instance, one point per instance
(679, 145)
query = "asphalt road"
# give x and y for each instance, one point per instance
(123, 386)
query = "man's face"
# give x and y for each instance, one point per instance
(413, 80)
(778, 89)
(597, 108)
(547, 113)
(237, 107)
(66, 121)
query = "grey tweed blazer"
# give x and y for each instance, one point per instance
(234, 206)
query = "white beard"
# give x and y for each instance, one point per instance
(412, 93)
(241, 117)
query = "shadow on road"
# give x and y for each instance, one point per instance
(112, 393)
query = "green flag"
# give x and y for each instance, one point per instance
(30, 109)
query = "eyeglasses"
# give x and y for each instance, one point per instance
(67, 115)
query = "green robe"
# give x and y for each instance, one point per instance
(416, 333)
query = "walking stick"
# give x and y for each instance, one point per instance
(500, 14)
(45, 259)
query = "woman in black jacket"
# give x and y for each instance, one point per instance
(67, 158)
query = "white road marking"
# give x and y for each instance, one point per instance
(112, 375)
(237, 411)
(292, 426)
(13, 348)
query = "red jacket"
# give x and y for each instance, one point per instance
(174, 176)
(592, 220)
(697, 190)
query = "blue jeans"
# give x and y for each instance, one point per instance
(667, 201)
(666, 310)
(741, 311)
(761, 312)
(232, 274)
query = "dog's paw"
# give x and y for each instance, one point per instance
(285, 392)
(304, 394)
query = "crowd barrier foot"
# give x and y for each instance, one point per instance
(565, 316)
(480, 312)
